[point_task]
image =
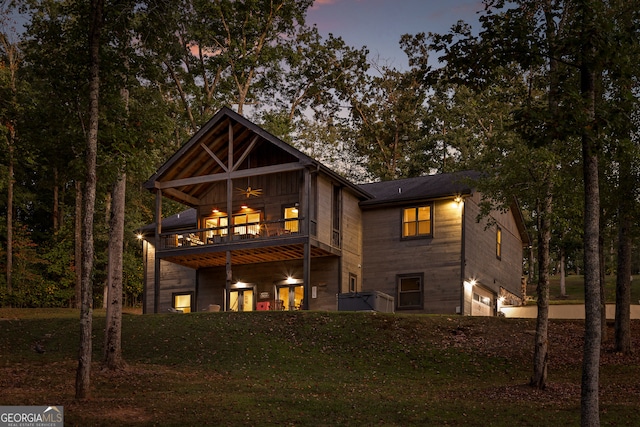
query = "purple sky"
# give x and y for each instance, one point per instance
(378, 24)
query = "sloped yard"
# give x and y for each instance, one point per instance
(312, 369)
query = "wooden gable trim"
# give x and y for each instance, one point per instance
(205, 179)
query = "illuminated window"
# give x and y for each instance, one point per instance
(248, 223)
(217, 226)
(410, 291)
(182, 301)
(499, 243)
(290, 297)
(416, 221)
(482, 299)
(291, 223)
(241, 299)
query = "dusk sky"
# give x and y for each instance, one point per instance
(378, 24)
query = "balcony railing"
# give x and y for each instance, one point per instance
(228, 234)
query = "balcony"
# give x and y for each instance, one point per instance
(250, 231)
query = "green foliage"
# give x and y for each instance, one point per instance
(38, 278)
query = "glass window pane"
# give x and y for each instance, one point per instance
(410, 284)
(409, 215)
(182, 302)
(409, 229)
(409, 299)
(424, 227)
(424, 213)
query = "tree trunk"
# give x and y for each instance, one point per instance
(10, 212)
(113, 343)
(593, 315)
(589, 398)
(541, 350)
(563, 279)
(603, 281)
(78, 245)
(13, 60)
(86, 310)
(56, 202)
(623, 270)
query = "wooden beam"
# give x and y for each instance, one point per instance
(205, 179)
(246, 153)
(194, 201)
(212, 154)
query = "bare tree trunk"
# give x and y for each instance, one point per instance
(623, 288)
(603, 281)
(563, 278)
(623, 270)
(78, 244)
(56, 202)
(86, 311)
(13, 61)
(10, 214)
(541, 350)
(113, 343)
(589, 398)
(593, 316)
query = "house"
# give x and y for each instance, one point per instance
(269, 228)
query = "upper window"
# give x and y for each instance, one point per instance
(216, 226)
(416, 221)
(499, 243)
(410, 291)
(291, 223)
(247, 223)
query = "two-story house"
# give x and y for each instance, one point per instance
(269, 228)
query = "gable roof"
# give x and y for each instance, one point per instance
(229, 144)
(419, 188)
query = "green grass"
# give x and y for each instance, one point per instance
(309, 369)
(574, 287)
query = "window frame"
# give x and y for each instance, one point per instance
(291, 223)
(353, 282)
(499, 237)
(416, 209)
(192, 301)
(399, 279)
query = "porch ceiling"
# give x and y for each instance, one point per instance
(246, 256)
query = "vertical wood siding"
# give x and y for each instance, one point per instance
(480, 243)
(438, 258)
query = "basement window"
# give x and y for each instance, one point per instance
(410, 291)
(182, 301)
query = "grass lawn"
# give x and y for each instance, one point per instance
(311, 369)
(574, 286)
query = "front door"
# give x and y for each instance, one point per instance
(241, 300)
(290, 297)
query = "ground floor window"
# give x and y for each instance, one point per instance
(290, 297)
(242, 299)
(410, 291)
(183, 301)
(353, 282)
